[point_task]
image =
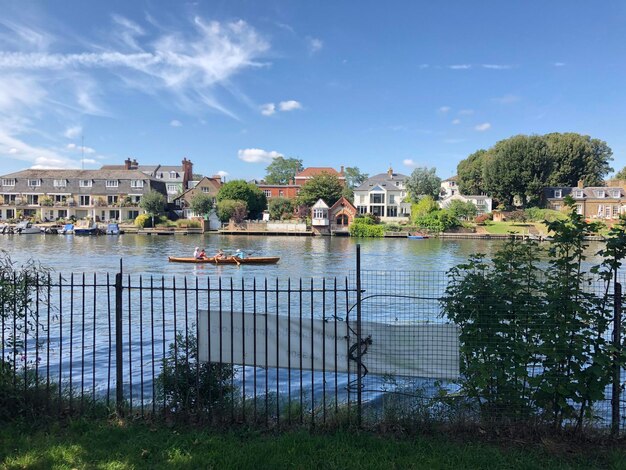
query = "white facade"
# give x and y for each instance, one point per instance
(450, 192)
(319, 214)
(384, 195)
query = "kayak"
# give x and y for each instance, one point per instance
(227, 260)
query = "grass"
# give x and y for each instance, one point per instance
(124, 445)
(507, 227)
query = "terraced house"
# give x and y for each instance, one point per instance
(104, 195)
(593, 202)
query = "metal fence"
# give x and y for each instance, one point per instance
(372, 345)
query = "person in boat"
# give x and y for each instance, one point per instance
(220, 254)
(202, 254)
(196, 252)
(239, 254)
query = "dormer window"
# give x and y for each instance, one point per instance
(59, 183)
(136, 183)
(578, 194)
(85, 183)
(112, 183)
(173, 174)
(558, 193)
(600, 193)
(8, 182)
(615, 193)
(33, 183)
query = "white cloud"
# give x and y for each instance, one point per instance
(78, 148)
(289, 105)
(444, 109)
(223, 173)
(497, 66)
(268, 109)
(460, 67)
(176, 123)
(315, 45)
(89, 161)
(73, 132)
(559, 64)
(456, 121)
(507, 99)
(257, 155)
(466, 112)
(13, 151)
(483, 127)
(409, 162)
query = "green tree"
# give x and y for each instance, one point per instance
(424, 206)
(280, 207)
(354, 177)
(323, 186)
(283, 170)
(470, 173)
(621, 175)
(465, 210)
(202, 204)
(232, 209)
(153, 203)
(423, 182)
(240, 190)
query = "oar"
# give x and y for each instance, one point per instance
(236, 260)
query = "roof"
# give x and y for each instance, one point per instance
(320, 204)
(382, 179)
(316, 170)
(342, 202)
(452, 178)
(78, 174)
(587, 193)
(217, 184)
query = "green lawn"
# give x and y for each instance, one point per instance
(506, 227)
(129, 446)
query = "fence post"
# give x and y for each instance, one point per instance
(359, 371)
(617, 335)
(119, 384)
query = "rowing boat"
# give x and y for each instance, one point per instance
(227, 260)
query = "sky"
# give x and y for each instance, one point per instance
(233, 84)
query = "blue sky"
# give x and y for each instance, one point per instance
(232, 84)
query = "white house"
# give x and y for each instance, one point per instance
(450, 192)
(384, 195)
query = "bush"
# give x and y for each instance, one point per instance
(145, 221)
(482, 218)
(188, 223)
(436, 221)
(280, 208)
(535, 214)
(365, 227)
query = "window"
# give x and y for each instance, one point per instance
(172, 188)
(9, 199)
(85, 200)
(557, 207)
(558, 193)
(600, 193)
(159, 176)
(392, 199)
(392, 211)
(112, 183)
(281, 193)
(362, 209)
(85, 183)
(205, 190)
(579, 209)
(616, 212)
(136, 184)
(173, 175)
(377, 198)
(32, 199)
(133, 214)
(398, 184)
(342, 219)
(267, 192)
(111, 200)
(34, 183)
(60, 198)
(8, 182)
(600, 210)
(615, 193)
(319, 214)
(59, 183)
(578, 193)
(607, 212)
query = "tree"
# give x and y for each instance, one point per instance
(354, 177)
(621, 175)
(280, 207)
(462, 210)
(470, 173)
(323, 186)
(423, 182)
(153, 203)
(239, 190)
(232, 209)
(283, 170)
(202, 204)
(424, 206)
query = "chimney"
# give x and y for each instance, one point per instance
(341, 172)
(218, 178)
(390, 172)
(580, 184)
(187, 172)
(127, 163)
(134, 164)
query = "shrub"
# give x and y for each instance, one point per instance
(145, 221)
(188, 223)
(365, 227)
(280, 207)
(535, 214)
(482, 218)
(232, 209)
(436, 221)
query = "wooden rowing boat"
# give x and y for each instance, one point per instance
(227, 260)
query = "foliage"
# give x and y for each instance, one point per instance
(283, 170)
(423, 182)
(436, 221)
(239, 190)
(153, 203)
(323, 186)
(517, 216)
(535, 214)
(462, 210)
(621, 175)
(366, 227)
(280, 208)
(188, 223)
(523, 165)
(186, 385)
(46, 201)
(425, 206)
(145, 221)
(231, 209)
(482, 218)
(201, 204)
(533, 339)
(354, 177)
(369, 218)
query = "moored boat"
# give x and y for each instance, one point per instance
(90, 229)
(67, 229)
(26, 227)
(227, 260)
(113, 229)
(417, 236)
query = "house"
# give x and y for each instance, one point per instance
(309, 172)
(289, 191)
(384, 195)
(450, 192)
(177, 179)
(105, 194)
(593, 202)
(332, 220)
(209, 186)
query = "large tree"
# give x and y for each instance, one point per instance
(621, 175)
(153, 203)
(283, 170)
(354, 177)
(322, 186)
(470, 173)
(202, 204)
(423, 182)
(239, 190)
